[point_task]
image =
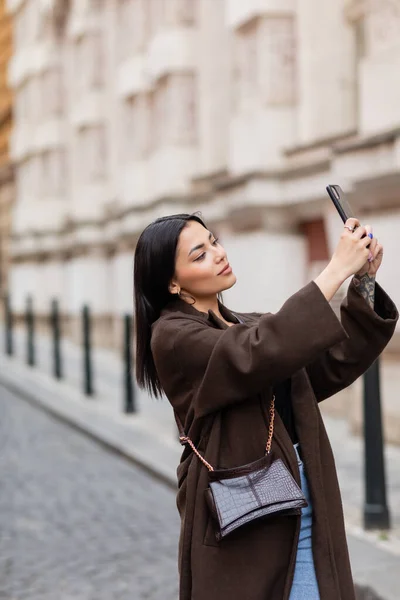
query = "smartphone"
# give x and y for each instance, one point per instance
(342, 205)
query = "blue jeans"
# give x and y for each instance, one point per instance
(305, 586)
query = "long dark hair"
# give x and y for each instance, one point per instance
(154, 267)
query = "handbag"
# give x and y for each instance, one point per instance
(257, 490)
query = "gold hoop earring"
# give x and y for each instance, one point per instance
(186, 296)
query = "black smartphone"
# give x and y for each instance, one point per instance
(342, 205)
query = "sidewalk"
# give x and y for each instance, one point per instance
(149, 438)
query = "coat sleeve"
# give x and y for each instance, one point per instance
(224, 367)
(368, 330)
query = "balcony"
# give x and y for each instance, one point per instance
(89, 108)
(132, 77)
(171, 50)
(240, 12)
(29, 61)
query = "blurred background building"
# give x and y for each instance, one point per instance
(7, 189)
(126, 110)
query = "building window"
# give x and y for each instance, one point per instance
(53, 174)
(45, 174)
(160, 113)
(31, 103)
(27, 21)
(21, 105)
(20, 28)
(317, 242)
(382, 23)
(22, 180)
(92, 153)
(174, 110)
(89, 61)
(132, 27)
(139, 31)
(52, 91)
(97, 62)
(184, 118)
(180, 12)
(246, 60)
(79, 63)
(171, 13)
(96, 5)
(277, 61)
(156, 15)
(318, 255)
(33, 20)
(29, 174)
(265, 61)
(125, 22)
(376, 25)
(135, 128)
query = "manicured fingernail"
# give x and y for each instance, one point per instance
(371, 235)
(370, 258)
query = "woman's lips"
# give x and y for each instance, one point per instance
(227, 270)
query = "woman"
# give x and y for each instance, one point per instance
(220, 370)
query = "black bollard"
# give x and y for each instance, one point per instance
(8, 326)
(30, 329)
(55, 327)
(87, 358)
(129, 392)
(376, 511)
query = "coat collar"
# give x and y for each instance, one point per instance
(180, 306)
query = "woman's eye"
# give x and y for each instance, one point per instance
(214, 243)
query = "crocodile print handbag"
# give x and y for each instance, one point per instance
(243, 494)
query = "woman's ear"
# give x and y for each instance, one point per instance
(174, 288)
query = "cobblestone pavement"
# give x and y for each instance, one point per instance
(77, 522)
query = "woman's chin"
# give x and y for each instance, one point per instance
(229, 282)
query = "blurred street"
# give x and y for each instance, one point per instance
(81, 523)
(78, 522)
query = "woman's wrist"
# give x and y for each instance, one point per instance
(361, 276)
(329, 281)
(365, 284)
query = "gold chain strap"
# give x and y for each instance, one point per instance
(271, 425)
(186, 440)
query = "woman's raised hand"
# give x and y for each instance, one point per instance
(350, 257)
(352, 251)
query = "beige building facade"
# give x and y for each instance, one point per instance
(7, 188)
(126, 110)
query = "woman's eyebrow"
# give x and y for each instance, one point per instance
(199, 246)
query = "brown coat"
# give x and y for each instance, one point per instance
(218, 380)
